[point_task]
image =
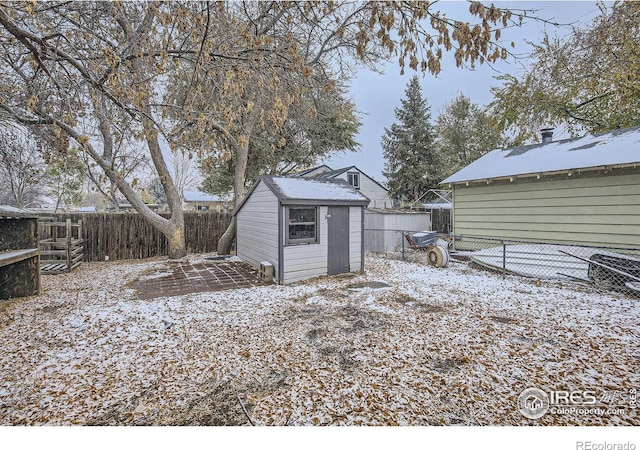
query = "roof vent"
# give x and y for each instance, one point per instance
(547, 135)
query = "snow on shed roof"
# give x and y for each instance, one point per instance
(619, 147)
(288, 189)
(310, 191)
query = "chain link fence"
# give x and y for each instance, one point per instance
(606, 268)
(404, 245)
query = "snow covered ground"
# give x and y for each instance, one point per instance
(439, 346)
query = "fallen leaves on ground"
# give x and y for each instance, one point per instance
(436, 347)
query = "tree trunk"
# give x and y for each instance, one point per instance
(176, 239)
(239, 179)
(226, 240)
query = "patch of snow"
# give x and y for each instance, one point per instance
(308, 189)
(316, 300)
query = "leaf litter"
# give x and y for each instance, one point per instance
(434, 347)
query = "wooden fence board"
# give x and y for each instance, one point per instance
(128, 236)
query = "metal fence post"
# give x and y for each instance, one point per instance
(504, 259)
(402, 240)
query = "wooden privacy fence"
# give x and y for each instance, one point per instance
(441, 220)
(116, 236)
(61, 244)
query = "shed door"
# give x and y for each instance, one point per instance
(338, 239)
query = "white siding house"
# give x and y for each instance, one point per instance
(304, 227)
(313, 171)
(201, 201)
(374, 191)
(577, 191)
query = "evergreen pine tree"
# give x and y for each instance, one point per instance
(411, 165)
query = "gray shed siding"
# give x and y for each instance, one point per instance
(592, 208)
(301, 262)
(355, 239)
(257, 228)
(306, 260)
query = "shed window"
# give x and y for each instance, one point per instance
(354, 179)
(302, 225)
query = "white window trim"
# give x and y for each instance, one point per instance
(354, 176)
(292, 242)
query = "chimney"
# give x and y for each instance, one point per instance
(547, 135)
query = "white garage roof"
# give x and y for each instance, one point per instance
(615, 148)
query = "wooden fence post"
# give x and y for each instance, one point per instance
(69, 240)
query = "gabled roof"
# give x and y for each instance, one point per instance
(338, 172)
(308, 171)
(619, 148)
(335, 173)
(309, 191)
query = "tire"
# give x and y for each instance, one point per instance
(437, 256)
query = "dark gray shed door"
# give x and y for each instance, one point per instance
(338, 240)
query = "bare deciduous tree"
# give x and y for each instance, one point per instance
(22, 167)
(98, 72)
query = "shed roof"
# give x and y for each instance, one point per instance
(310, 191)
(290, 190)
(616, 148)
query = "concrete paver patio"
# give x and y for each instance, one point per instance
(185, 278)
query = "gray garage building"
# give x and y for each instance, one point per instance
(304, 228)
(577, 191)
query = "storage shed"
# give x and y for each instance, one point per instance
(304, 228)
(577, 191)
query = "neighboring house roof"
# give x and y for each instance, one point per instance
(308, 171)
(617, 148)
(309, 191)
(201, 197)
(84, 209)
(338, 172)
(11, 212)
(334, 173)
(13, 209)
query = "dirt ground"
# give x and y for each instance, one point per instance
(402, 344)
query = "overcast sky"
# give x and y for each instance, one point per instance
(377, 95)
